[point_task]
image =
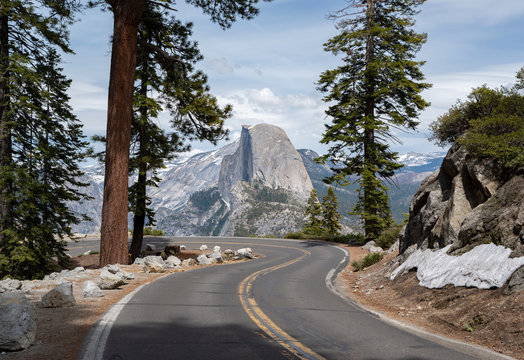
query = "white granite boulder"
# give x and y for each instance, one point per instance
(229, 254)
(245, 253)
(17, 322)
(138, 261)
(189, 262)
(203, 247)
(109, 281)
(59, 296)
(204, 260)
(154, 264)
(216, 257)
(173, 261)
(91, 290)
(9, 285)
(116, 270)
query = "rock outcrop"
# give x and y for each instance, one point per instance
(60, 296)
(262, 189)
(17, 322)
(467, 202)
(266, 155)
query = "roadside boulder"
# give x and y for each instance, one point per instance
(204, 260)
(216, 257)
(138, 261)
(516, 282)
(9, 285)
(216, 249)
(109, 280)
(229, 254)
(173, 261)
(17, 322)
(154, 264)
(59, 296)
(91, 290)
(203, 247)
(245, 253)
(189, 262)
(116, 270)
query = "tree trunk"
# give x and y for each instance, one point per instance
(140, 206)
(113, 244)
(140, 216)
(369, 132)
(5, 132)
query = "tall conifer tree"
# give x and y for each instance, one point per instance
(313, 215)
(330, 215)
(41, 141)
(127, 16)
(377, 88)
(165, 68)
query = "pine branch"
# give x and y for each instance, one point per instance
(164, 54)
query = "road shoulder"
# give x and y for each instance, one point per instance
(487, 318)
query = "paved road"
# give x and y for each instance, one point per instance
(276, 307)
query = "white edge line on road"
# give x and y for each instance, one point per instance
(471, 349)
(94, 343)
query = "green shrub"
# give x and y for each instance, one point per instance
(389, 236)
(353, 239)
(368, 260)
(148, 230)
(490, 124)
(295, 235)
(498, 137)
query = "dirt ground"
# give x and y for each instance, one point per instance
(483, 317)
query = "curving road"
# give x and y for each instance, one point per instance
(281, 306)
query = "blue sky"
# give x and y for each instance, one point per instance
(267, 67)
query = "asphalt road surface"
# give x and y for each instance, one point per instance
(281, 306)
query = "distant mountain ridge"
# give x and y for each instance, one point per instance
(205, 195)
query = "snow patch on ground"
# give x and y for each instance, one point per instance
(484, 267)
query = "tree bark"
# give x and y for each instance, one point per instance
(140, 206)
(113, 244)
(369, 132)
(140, 216)
(5, 132)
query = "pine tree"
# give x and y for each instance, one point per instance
(127, 15)
(165, 68)
(375, 89)
(331, 217)
(47, 145)
(313, 215)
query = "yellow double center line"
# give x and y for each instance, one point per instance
(263, 321)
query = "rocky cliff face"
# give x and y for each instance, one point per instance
(467, 202)
(261, 188)
(266, 155)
